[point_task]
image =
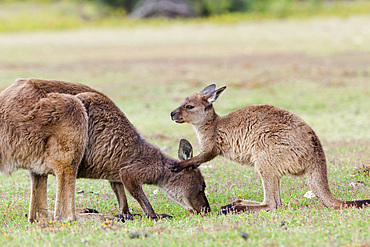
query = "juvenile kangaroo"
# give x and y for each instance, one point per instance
(71, 130)
(273, 140)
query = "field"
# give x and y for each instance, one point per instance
(318, 68)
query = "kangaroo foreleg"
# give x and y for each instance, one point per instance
(133, 183)
(196, 161)
(119, 191)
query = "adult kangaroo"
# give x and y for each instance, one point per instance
(71, 130)
(273, 140)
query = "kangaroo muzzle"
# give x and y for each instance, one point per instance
(173, 114)
(176, 117)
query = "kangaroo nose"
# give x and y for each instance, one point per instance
(173, 115)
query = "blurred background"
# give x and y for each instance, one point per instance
(55, 14)
(311, 57)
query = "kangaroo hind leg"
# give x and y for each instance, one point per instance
(272, 199)
(64, 119)
(272, 196)
(38, 202)
(64, 167)
(242, 205)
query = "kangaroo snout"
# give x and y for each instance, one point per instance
(200, 205)
(175, 116)
(206, 209)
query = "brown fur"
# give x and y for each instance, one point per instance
(71, 130)
(273, 140)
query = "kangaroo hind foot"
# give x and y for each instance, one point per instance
(239, 206)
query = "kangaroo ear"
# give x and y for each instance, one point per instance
(215, 94)
(185, 150)
(209, 89)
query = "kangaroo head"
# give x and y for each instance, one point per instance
(188, 186)
(198, 107)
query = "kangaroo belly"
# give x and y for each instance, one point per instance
(35, 165)
(279, 159)
(236, 151)
(21, 148)
(100, 164)
(281, 154)
(243, 159)
(98, 171)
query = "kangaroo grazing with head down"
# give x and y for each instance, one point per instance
(73, 131)
(273, 140)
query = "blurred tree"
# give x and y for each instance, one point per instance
(241, 5)
(186, 8)
(211, 7)
(167, 8)
(216, 7)
(128, 5)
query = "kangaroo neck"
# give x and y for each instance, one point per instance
(166, 173)
(158, 160)
(206, 130)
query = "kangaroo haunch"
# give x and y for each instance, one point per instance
(273, 140)
(71, 130)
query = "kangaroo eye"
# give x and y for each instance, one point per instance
(189, 107)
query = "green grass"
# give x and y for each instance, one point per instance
(308, 66)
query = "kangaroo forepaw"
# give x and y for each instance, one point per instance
(165, 216)
(228, 209)
(176, 167)
(160, 216)
(122, 217)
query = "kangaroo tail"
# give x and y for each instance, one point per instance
(318, 181)
(319, 185)
(358, 204)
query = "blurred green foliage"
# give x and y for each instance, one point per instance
(17, 15)
(127, 5)
(216, 7)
